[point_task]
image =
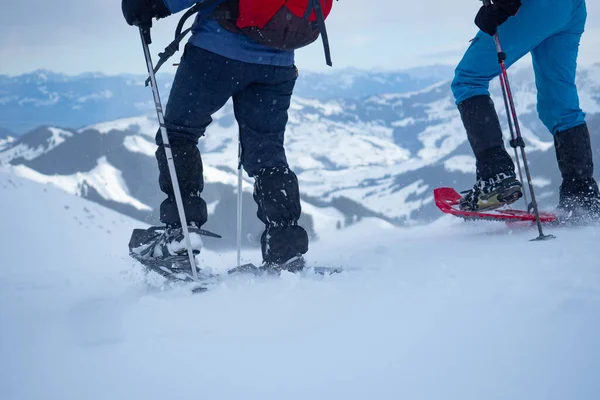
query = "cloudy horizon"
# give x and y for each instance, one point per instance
(72, 38)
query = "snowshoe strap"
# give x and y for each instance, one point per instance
(202, 232)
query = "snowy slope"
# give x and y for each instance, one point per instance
(37, 143)
(487, 315)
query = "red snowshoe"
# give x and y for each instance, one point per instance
(448, 199)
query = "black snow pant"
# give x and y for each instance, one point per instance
(261, 95)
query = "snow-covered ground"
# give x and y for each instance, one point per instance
(446, 311)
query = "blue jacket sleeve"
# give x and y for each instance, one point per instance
(177, 5)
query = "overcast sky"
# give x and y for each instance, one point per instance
(90, 35)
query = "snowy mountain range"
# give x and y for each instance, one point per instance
(46, 98)
(378, 157)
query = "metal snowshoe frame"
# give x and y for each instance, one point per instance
(515, 134)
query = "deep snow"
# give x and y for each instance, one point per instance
(448, 311)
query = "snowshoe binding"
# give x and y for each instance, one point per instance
(163, 250)
(489, 194)
(293, 265)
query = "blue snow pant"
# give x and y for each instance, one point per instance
(551, 30)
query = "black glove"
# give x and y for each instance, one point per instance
(138, 12)
(489, 18)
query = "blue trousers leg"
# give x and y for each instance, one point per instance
(536, 22)
(555, 65)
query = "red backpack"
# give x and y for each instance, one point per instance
(280, 24)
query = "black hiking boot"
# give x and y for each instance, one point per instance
(496, 184)
(189, 168)
(277, 195)
(579, 202)
(489, 194)
(579, 198)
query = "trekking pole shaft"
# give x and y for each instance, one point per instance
(512, 135)
(506, 86)
(513, 111)
(168, 152)
(533, 200)
(239, 207)
(521, 178)
(503, 85)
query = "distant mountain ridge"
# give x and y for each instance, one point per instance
(47, 98)
(6, 138)
(4, 133)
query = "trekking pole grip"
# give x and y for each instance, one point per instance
(145, 30)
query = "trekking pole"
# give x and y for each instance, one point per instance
(518, 140)
(146, 40)
(239, 206)
(513, 139)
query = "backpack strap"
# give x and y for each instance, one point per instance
(173, 47)
(227, 14)
(315, 5)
